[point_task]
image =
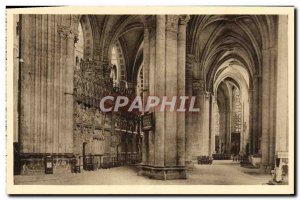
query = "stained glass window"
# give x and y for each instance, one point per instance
(237, 110)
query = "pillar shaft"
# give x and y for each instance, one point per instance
(212, 125)
(282, 90)
(151, 60)
(282, 101)
(146, 54)
(268, 108)
(160, 84)
(145, 149)
(69, 89)
(197, 120)
(46, 110)
(189, 133)
(181, 89)
(171, 148)
(166, 78)
(206, 123)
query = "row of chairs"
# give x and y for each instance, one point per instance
(92, 163)
(204, 160)
(220, 156)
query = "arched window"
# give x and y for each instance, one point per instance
(114, 59)
(115, 62)
(79, 46)
(117, 59)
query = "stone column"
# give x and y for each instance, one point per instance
(252, 124)
(272, 111)
(254, 127)
(160, 84)
(69, 70)
(197, 147)
(17, 62)
(165, 161)
(181, 53)
(212, 125)
(146, 55)
(268, 109)
(171, 89)
(189, 133)
(27, 97)
(46, 68)
(228, 115)
(265, 106)
(144, 149)
(282, 98)
(150, 59)
(206, 123)
(201, 142)
(243, 132)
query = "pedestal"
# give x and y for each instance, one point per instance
(163, 173)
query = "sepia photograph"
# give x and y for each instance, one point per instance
(150, 100)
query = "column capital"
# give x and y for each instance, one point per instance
(198, 85)
(149, 22)
(190, 60)
(75, 20)
(67, 32)
(184, 19)
(207, 95)
(172, 23)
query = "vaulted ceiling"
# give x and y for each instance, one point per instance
(214, 39)
(127, 29)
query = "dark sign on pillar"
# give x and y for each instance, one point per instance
(147, 121)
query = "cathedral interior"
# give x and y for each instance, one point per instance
(235, 65)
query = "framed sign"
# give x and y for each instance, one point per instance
(147, 121)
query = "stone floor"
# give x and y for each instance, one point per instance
(219, 173)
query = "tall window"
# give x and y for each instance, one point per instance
(114, 59)
(140, 82)
(237, 110)
(117, 59)
(115, 62)
(217, 119)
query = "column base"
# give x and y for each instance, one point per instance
(265, 168)
(190, 165)
(163, 173)
(272, 182)
(281, 168)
